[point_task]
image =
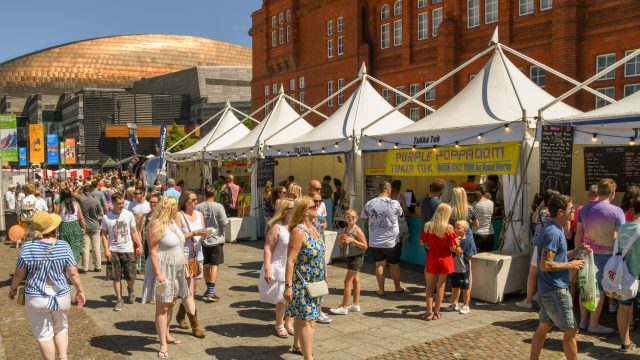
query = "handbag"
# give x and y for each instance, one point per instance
(404, 228)
(315, 289)
(193, 265)
(21, 297)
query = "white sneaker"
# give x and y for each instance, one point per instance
(453, 307)
(354, 308)
(465, 310)
(613, 306)
(323, 318)
(339, 311)
(600, 330)
(523, 305)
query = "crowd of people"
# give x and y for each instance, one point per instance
(176, 241)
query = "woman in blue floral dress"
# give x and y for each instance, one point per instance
(305, 256)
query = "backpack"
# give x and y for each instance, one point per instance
(617, 282)
(27, 210)
(226, 197)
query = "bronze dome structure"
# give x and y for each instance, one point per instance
(113, 62)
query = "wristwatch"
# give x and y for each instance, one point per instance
(287, 286)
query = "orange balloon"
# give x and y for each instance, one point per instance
(17, 232)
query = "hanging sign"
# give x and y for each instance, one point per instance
(62, 153)
(22, 152)
(36, 143)
(556, 155)
(53, 156)
(70, 151)
(163, 138)
(620, 163)
(8, 137)
(500, 158)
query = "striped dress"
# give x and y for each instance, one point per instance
(53, 267)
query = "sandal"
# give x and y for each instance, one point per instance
(427, 316)
(281, 331)
(163, 354)
(380, 294)
(437, 316)
(174, 341)
(290, 331)
(401, 291)
(296, 350)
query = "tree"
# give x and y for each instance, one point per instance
(174, 135)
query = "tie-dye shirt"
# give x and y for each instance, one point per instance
(600, 220)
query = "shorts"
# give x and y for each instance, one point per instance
(213, 255)
(354, 263)
(121, 265)
(534, 257)
(556, 306)
(45, 323)
(391, 255)
(484, 243)
(460, 280)
(601, 261)
(629, 302)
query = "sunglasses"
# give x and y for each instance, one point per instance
(351, 217)
(316, 188)
(314, 207)
(138, 193)
(193, 199)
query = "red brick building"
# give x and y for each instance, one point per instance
(314, 47)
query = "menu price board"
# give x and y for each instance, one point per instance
(620, 163)
(266, 171)
(556, 157)
(373, 177)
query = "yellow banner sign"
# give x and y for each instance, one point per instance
(36, 143)
(451, 160)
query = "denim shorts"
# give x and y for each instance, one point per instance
(556, 306)
(601, 261)
(629, 302)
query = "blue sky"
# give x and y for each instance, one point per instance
(37, 24)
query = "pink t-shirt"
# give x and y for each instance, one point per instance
(235, 190)
(600, 221)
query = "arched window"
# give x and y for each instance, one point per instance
(384, 12)
(397, 8)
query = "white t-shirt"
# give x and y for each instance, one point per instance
(140, 208)
(10, 200)
(382, 214)
(119, 228)
(39, 203)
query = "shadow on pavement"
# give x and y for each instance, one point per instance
(126, 343)
(245, 330)
(258, 314)
(243, 352)
(250, 288)
(252, 274)
(254, 265)
(107, 301)
(251, 304)
(140, 326)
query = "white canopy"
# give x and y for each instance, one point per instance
(613, 124)
(282, 117)
(362, 108)
(227, 130)
(493, 104)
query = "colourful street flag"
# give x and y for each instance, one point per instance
(23, 156)
(8, 137)
(70, 151)
(36, 143)
(53, 156)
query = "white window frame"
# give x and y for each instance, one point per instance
(266, 108)
(384, 12)
(536, 78)
(397, 8)
(274, 89)
(274, 39)
(385, 40)
(386, 94)
(605, 90)
(423, 25)
(429, 95)
(414, 89)
(301, 98)
(288, 15)
(281, 35)
(288, 33)
(329, 48)
(340, 93)
(611, 74)
(436, 2)
(301, 82)
(436, 20)
(266, 90)
(400, 98)
(330, 28)
(491, 11)
(292, 84)
(340, 45)
(636, 88)
(549, 5)
(414, 114)
(635, 62)
(330, 92)
(473, 13)
(397, 33)
(273, 21)
(340, 24)
(525, 7)
(281, 18)
(422, 3)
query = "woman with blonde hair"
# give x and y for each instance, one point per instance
(294, 191)
(271, 282)
(305, 264)
(439, 236)
(165, 278)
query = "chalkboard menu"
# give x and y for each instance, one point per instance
(556, 149)
(620, 163)
(372, 182)
(266, 170)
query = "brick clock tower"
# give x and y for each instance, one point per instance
(313, 48)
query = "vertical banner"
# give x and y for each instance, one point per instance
(163, 138)
(36, 143)
(133, 141)
(23, 156)
(70, 151)
(8, 137)
(62, 153)
(53, 156)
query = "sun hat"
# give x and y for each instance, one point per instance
(44, 223)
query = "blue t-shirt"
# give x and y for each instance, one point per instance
(553, 238)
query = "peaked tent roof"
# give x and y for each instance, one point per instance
(227, 130)
(614, 123)
(281, 117)
(485, 106)
(363, 107)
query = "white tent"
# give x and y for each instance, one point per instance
(228, 130)
(494, 105)
(614, 124)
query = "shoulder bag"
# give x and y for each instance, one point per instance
(193, 264)
(21, 295)
(314, 289)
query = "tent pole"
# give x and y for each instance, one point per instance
(398, 92)
(194, 130)
(515, 90)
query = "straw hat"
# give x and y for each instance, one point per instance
(44, 223)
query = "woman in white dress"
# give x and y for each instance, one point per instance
(271, 281)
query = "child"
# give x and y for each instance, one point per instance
(353, 246)
(461, 277)
(439, 235)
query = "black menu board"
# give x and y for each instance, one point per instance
(556, 151)
(266, 170)
(620, 163)
(372, 182)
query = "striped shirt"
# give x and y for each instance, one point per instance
(53, 267)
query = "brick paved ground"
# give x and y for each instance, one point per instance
(241, 327)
